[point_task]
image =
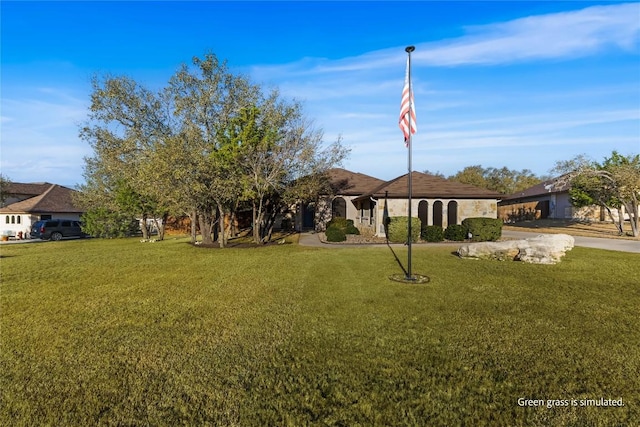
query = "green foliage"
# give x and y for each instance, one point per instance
(207, 143)
(432, 233)
(501, 180)
(101, 222)
(398, 228)
(291, 336)
(339, 222)
(455, 232)
(4, 183)
(351, 229)
(483, 229)
(335, 234)
(346, 225)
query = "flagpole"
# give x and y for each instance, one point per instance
(409, 49)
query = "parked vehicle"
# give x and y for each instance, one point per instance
(56, 229)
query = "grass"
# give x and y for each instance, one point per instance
(117, 332)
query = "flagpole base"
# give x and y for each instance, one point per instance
(416, 279)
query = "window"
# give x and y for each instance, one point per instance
(437, 213)
(452, 212)
(423, 212)
(7, 219)
(339, 207)
(13, 219)
(18, 219)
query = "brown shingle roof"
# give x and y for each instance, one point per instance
(555, 185)
(430, 186)
(55, 199)
(351, 183)
(27, 189)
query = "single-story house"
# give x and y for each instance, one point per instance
(549, 199)
(25, 204)
(435, 200)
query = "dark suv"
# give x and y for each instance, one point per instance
(56, 229)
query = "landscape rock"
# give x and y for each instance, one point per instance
(541, 249)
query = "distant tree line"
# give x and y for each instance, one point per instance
(208, 144)
(501, 180)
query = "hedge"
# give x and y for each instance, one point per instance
(335, 234)
(398, 229)
(432, 233)
(455, 232)
(344, 224)
(483, 229)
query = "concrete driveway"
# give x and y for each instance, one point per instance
(587, 242)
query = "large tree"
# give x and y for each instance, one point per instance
(612, 184)
(126, 122)
(274, 148)
(208, 142)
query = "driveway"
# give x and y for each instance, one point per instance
(587, 242)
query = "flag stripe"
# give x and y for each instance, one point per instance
(407, 109)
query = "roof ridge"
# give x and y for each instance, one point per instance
(41, 197)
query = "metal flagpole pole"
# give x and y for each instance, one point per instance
(409, 49)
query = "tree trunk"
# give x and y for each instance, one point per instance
(143, 227)
(271, 221)
(255, 228)
(194, 227)
(232, 230)
(257, 234)
(632, 209)
(221, 234)
(617, 223)
(207, 223)
(620, 223)
(160, 225)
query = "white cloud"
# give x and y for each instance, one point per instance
(564, 35)
(553, 36)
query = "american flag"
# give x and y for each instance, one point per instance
(406, 107)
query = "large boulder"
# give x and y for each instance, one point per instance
(541, 249)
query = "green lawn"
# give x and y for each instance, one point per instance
(118, 332)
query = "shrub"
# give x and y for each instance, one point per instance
(455, 232)
(398, 229)
(351, 229)
(335, 234)
(346, 225)
(339, 222)
(432, 233)
(101, 222)
(483, 229)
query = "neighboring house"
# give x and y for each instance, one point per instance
(27, 203)
(549, 199)
(436, 201)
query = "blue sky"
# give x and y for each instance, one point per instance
(516, 84)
